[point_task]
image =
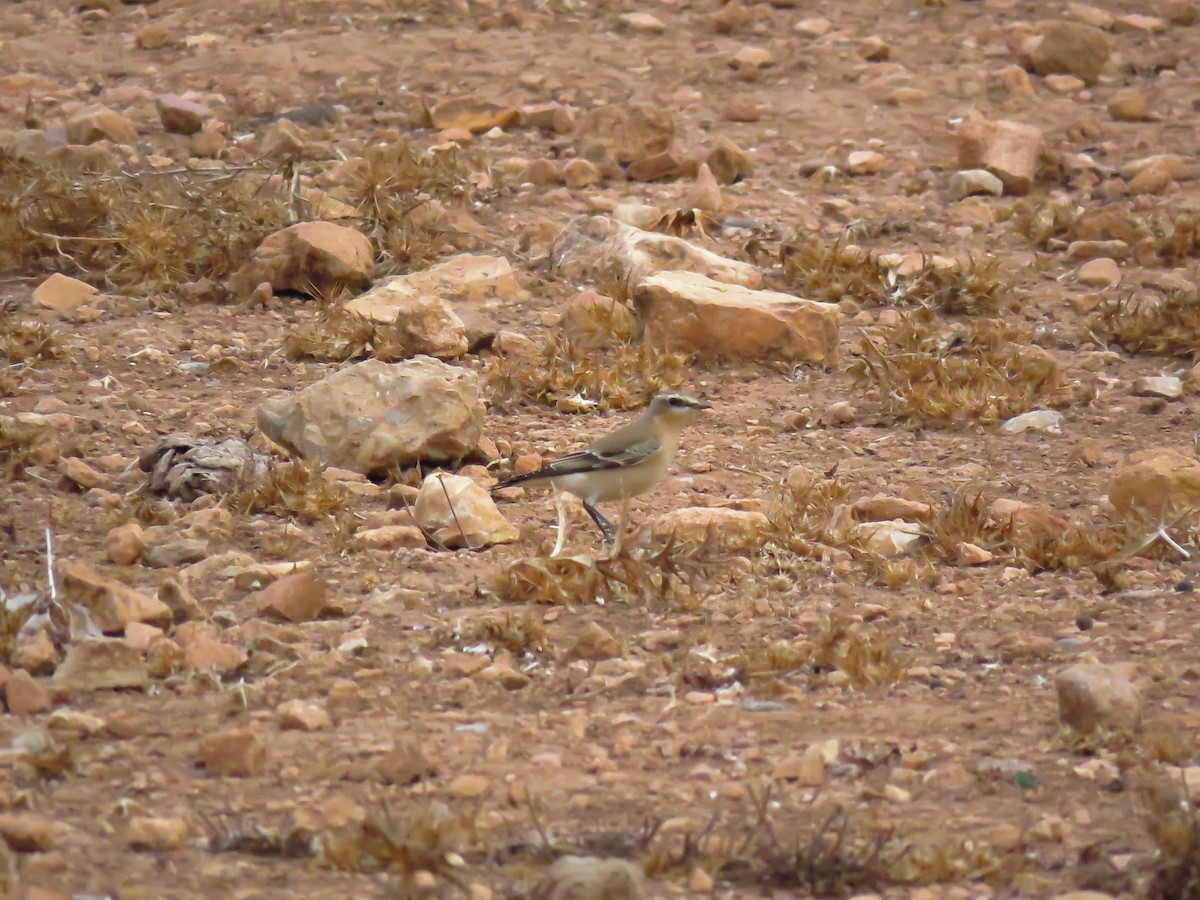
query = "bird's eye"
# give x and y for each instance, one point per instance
(675, 401)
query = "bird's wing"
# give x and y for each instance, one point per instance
(592, 459)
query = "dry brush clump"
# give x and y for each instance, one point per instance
(298, 489)
(135, 232)
(866, 654)
(983, 371)
(1166, 323)
(335, 335)
(1174, 825)
(831, 271)
(643, 571)
(573, 378)
(399, 191)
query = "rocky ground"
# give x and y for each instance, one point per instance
(288, 286)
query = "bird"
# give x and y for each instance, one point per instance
(623, 464)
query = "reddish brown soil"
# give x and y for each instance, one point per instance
(982, 646)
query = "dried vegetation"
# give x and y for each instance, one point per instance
(335, 335)
(135, 232)
(297, 489)
(831, 271)
(399, 191)
(1159, 323)
(564, 375)
(983, 371)
(671, 571)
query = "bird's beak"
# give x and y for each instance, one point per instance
(703, 404)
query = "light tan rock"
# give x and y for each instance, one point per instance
(125, 544)
(82, 475)
(642, 23)
(1167, 386)
(475, 116)
(1156, 482)
(626, 131)
(591, 878)
(1009, 150)
(1094, 695)
(581, 173)
(62, 293)
(111, 604)
(805, 769)
(1065, 84)
(457, 512)
(1101, 272)
(239, 753)
(591, 319)
(25, 696)
(689, 312)
(970, 182)
(281, 139)
(605, 251)
(101, 664)
(154, 835)
(729, 162)
(466, 278)
(391, 537)
(730, 530)
(210, 655)
(1179, 12)
(890, 538)
(595, 643)
(1129, 105)
(99, 123)
(292, 598)
(1070, 48)
(705, 193)
(373, 416)
(874, 49)
(968, 554)
(425, 323)
(1091, 15)
(179, 116)
(1135, 23)
(308, 257)
(302, 715)
(30, 833)
(883, 508)
(865, 162)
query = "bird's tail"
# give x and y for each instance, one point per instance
(517, 479)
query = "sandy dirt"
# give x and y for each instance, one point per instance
(962, 757)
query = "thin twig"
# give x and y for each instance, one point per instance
(453, 513)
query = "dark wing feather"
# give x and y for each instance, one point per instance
(587, 460)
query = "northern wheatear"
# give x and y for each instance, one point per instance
(621, 465)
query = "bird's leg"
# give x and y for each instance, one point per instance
(605, 526)
(621, 526)
(561, 502)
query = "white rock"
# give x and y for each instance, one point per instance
(970, 182)
(1167, 386)
(1047, 420)
(890, 538)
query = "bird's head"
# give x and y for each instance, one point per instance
(677, 407)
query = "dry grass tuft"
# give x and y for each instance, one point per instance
(811, 514)
(135, 232)
(668, 571)
(297, 489)
(1044, 220)
(398, 189)
(572, 378)
(521, 634)
(336, 335)
(1174, 826)
(863, 653)
(23, 444)
(28, 342)
(1176, 236)
(820, 270)
(982, 371)
(1168, 324)
(421, 840)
